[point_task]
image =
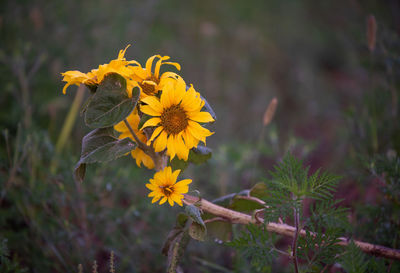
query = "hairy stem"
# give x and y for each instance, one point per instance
(283, 229)
(160, 159)
(141, 145)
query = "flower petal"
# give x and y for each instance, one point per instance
(181, 150)
(161, 142)
(163, 200)
(177, 66)
(149, 111)
(149, 62)
(171, 147)
(155, 199)
(151, 122)
(175, 175)
(158, 66)
(154, 103)
(156, 132)
(201, 117)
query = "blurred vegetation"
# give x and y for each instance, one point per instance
(338, 109)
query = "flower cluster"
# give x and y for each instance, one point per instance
(169, 110)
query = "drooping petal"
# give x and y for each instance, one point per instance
(122, 52)
(149, 62)
(177, 66)
(158, 66)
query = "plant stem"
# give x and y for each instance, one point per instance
(141, 144)
(283, 229)
(160, 159)
(294, 243)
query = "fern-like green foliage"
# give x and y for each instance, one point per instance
(325, 225)
(256, 245)
(290, 176)
(290, 185)
(354, 260)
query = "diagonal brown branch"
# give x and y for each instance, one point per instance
(283, 229)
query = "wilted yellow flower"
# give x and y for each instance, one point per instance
(177, 116)
(95, 76)
(165, 187)
(138, 154)
(150, 83)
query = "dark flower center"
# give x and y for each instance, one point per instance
(174, 119)
(149, 89)
(167, 190)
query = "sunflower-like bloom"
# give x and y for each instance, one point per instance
(176, 119)
(164, 186)
(151, 83)
(95, 76)
(138, 154)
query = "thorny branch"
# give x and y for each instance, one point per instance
(283, 229)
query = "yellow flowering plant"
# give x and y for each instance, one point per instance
(136, 110)
(160, 121)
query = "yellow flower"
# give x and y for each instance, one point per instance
(138, 154)
(177, 116)
(164, 186)
(95, 76)
(150, 83)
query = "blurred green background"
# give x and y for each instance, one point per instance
(338, 109)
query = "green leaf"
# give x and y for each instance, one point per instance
(100, 145)
(143, 119)
(178, 164)
(197, 231)
(195, 214)
(200, 154)
(220, 229)
(110, 104)
(79, 172)
(226, 200)
(259, 190)
(181, 220)
(243, 204)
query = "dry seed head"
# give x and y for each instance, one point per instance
(371, 32)
(94, 268)
(112, 268)
(270, 112)
(80, 268)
